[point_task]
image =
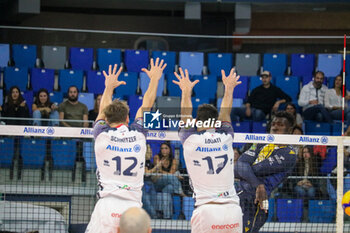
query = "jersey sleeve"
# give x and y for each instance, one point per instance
(184, 133)
(226, 127)
(99, 127)
(138, 126)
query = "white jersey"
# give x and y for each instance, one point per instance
(209, 160)
(120, 158)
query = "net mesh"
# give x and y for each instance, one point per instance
(48, 182)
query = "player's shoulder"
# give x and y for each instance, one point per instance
(287, 149)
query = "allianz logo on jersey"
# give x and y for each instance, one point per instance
(154, 120)
(37, 130)
(263, 138)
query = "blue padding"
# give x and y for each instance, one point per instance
(134, 102)
(95, 82)
(56, 97)
(168, 57)
(130, 88)
(42, 78)
(241, 127)
(322, 211)
(271, 212)
(302, 64)
(69, 78)
(81, 58)
(89, 156)
(259, 127)
(188, 207)
(63, 154)
(192, 61)
(87, 99)
(29, 97)
(144, 82)
(7, 152)
(4, 55)
(330, 162)
(106, 57)
(289, 210)
(135, 60)
(24, 55)
(330, 64)
(14, 76)
(206, 87)
(176, 207)
(172, 88)
(317, 128)
(276, 63)
(242, 90)
(33, 152)
(290, 85)
(218, 62)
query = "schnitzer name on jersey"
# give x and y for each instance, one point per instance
(208, 149)
(128, 139)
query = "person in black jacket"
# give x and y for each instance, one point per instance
(15, 106)
(263, 100)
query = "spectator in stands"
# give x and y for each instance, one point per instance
(15, 107)
(135, 220)
(236, 153)
(72, 109)
(306, 166)
(297, 130)
(333, 100)
(290, 108)
(312, 99)
(44, 108)
(262, 101)
(94, 112)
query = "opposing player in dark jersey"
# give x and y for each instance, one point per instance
(209, 159)
(120, 151)
(260, 170)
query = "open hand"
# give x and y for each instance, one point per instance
(156, 70)
(231, 80)
(112, 77)
(184, 82)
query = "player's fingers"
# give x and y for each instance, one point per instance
(223, 74)
(177, 76)
(161, 63)
(181, 73)
(104, 73)
(239, 82)
(146, 71)
(157, 61)
(110, 69)
(152, 64)
(176, 82)
(195, 82)
(115, 69)
(119, 71)
(186, 72)
(122, 83)
(232, 71)
(163, 67)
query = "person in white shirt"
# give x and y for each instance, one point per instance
(209, 159)
(120, 151)
(312, 99)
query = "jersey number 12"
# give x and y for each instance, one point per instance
(220, 165)
(127, 171)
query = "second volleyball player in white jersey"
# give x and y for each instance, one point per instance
(120, 152)
(209, 159)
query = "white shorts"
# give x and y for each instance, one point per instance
(217, 218)
(106, 215)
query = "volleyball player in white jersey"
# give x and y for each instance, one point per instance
(120, 151)
(209, 160)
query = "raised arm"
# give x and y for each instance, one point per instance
(186, 87)
(230, 82)
(111, 82)
(155, 73)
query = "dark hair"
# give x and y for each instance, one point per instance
(71, 87)
(116, 112)
(9, 97)
(287, 116)
(298, 128)
(206, 111)
(167, 143)
(341, 78)
(96, 107)
(319, 72)
(300, 166)
(293, 105)
(37, 99)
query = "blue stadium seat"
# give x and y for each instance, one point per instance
(242, 90)
(330, 64)
(172, 88)
(33, 152)
(176, 207)
(192, 61)
(4, 55)
(134, 102)
(290, 85)
(317, 128)
(259, 127)
(241, 127)
(206, 87)
(95, 82)
(330, 162)
(144, 82)
(54, 57)
(42, 78)
(14, 76)
(302, 64)
(89, 156)
(106, 57)
(196, 101)
(254, 82)
(271, 212)
(276, 63)
(135, 60)
(347, 64)
(1, 97)
(67, 78)
(330, 81)
(63, 153)
(188, 207)
(247, 64)
(322, 211)
(130, 88)
(289, 210)
(237, 103)
(7, 152)
(81, 58)
(24, 55)
(169, 105)
(168, 57)
(87, 99)
(29, 97)
(56, 97)
(218, 62)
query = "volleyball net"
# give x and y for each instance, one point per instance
(48, 182)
